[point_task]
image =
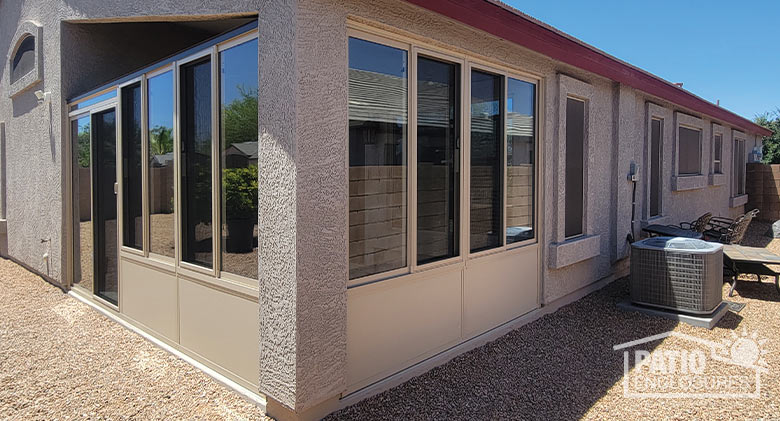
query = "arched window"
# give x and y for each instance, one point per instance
(23, 61)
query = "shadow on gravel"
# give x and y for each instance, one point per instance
(554, 368)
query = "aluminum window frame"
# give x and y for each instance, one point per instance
(212, 276)
(88, 112)
(217, 167)
(468, 61)
(120, 170)
(159, 258)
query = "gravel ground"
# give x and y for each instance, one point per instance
(563, 366)
(60, 359)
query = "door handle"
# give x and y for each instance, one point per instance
(116, 188)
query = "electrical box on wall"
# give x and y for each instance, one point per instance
(633, 172)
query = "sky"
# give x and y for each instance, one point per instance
(720, 50)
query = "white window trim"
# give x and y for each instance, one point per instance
(415, 47)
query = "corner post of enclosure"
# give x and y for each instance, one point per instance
(303, 213)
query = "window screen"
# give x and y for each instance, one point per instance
(718, 154)
(655, 167)
(438, 159)
(132, 228)
(575, 169)
(738, 177)
(196, 173)
(689, 151)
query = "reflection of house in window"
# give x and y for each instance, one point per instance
(377, 115)
(239, 155)
(23, 61)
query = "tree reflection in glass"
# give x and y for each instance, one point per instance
(161, 160)
(239, 149)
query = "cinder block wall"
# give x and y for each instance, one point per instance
(762, 185)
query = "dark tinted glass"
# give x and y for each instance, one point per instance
(161, 159)
(575, 146)
(690, 151)
(238, 149)
(717, 165)
(738, 177)
(378, 98)
(438, 159)
(520, 153)
(655, 167)
(24, 59)
(196, 174)
(486, 161)
(104, 176)
(131, 167)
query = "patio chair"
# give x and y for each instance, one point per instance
(699, 225)
(719, 223)
(731, 234)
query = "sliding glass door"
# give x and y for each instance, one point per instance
(94, 185)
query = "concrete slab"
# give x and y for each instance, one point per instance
(700, 320)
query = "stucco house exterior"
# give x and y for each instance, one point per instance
(427, 175)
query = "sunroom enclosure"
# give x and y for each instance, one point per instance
(444, 228)
(163, 192)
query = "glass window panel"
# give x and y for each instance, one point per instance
(102, 97)
(238, 146)
(738, 177)
(520, 162)
(689, 151)
(24, 59)
(438, 159)
(655, 167)
(741, 172)
(717, 162)
(486, 161)
(161, 161)
(378, 98)
(575, 167)
(82, 204)
(196, 171)
(132, 221)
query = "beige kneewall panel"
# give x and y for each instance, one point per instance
(396, 323)
(218, 328)
(148, 297)
(498, 288)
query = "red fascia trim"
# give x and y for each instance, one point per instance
(503, 22)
